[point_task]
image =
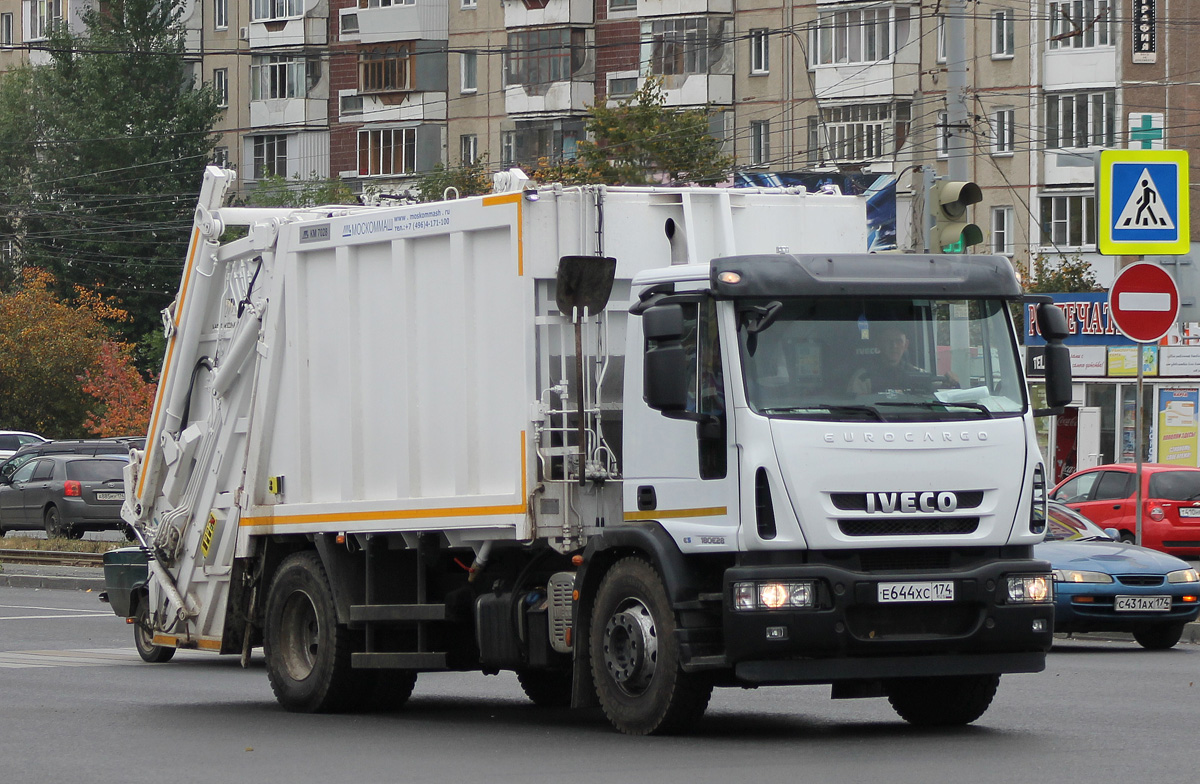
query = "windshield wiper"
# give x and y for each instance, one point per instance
(940, 404)
(831, 408)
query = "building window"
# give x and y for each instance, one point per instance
(1003, 132)
(508, 147)
(277, 9)
(681, 46)
(1002, 230)
(270, 156)
(385, 69)
(860, 36)
(943, 131)
(349, 24)
(6, 30)
(1081, 119)
(760, 60)
(468, 148)
(860, 132)
(221, 157)
(1002, 33)
(468, 66)
(469, 5)
(941, 38)
(384, 3)
(278, 76)
(388, 151)
(351, 104)
(221, 14)
(46, 14)
(622, 86)
(622, 5)
(543, 56)
(1080, 24)
(221, 86)
(760, 142)
(1069, 221)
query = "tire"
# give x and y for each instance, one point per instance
(55, 527)
(949, 701)
(143, 637)
(546, 688)
(307, 652)
(382, 690)
(635, 656)
(1127, 538)
(1159, 637)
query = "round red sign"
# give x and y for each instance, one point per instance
(1144, 302)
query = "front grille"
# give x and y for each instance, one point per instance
(857, 502)
(1140, 579)
(905, 560)
(892, 621)
(897, 526)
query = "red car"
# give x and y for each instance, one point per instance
(1170, 503)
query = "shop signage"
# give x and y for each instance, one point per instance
(1088, 321)
(1177, 426)
(1179, 361)
(1122, 361)
(1145, 36)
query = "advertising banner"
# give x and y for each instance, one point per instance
(1177, 430)
(1122, 361)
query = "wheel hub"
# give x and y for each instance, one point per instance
(631, 647)
(300, 635)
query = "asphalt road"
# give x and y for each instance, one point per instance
(77, 705)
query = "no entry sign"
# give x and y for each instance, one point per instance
(1143, 302)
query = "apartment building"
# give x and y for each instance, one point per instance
(377, 91)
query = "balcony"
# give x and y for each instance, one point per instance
(427, 105)
(864, 80)
(289, 111)
(698, 89)
(558, 97)
(296, 31)
(422, 20)
(1095, 67)
(537, 13)
(683, 7)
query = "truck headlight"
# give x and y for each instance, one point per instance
(1080, 576)
(1030, 588)
(774, 595)
(1184, 576)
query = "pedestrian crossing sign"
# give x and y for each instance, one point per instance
(1142, 200)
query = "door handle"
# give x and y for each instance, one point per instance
(646, 498)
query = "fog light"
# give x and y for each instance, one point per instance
(773, 595)
(1030, 588)
(1039, 624)
(743, 596)
(777, 633)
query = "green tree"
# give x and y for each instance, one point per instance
(1064, 274)
(469, 179)
(641, 141)
(276, 191)
(102, 181)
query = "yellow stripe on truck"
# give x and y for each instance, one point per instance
(513, 198)
(659, 514)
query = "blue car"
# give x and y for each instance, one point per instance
(1102, 585)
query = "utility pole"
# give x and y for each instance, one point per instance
(956, 88)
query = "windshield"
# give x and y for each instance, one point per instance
(880, 360)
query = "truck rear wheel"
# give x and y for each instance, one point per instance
(942, 702)
(635, 657)
(307, 651)
(143, 637)
(546, 688)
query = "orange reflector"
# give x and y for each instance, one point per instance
(568, 635)
(130, 620)
(574, 596)
(577, 560)
(1084, 599)
(1190, 599)
(341, 539)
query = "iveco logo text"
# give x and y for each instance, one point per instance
(911, 438)
(912, 502)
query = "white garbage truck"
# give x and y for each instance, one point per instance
(631, 444)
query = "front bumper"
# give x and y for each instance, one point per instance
(850, 634)
(1091, 607)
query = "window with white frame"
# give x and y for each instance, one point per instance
(468, 148)
(1069, 221)
(221, 157)
(859, 132)
(1080, 24)
(384, 3)
(1075, 120)
(46, 14)
(760, 52)
(351, 103)
(6, 30)
(941, 38)
(270, 155)
(278, 76)
(468, 68)
(622, 86)
(221, 14)
(682, 46)
(264, 10)
(622, 5)
(760, 142)
(387, 151)
(1002, 230)
(349, 24)
(856, 36)
(385, 69)
(943, 132)
(508, 146)
(221, 86)
(469, 5)
(1003, 132)
(1002, 33)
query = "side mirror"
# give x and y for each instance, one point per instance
(1113, 534)
(665, 376)
(1053, 325)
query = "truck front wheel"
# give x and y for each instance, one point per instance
(635, 657)
(307, 651)
(942, 702)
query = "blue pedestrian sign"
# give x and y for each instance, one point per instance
(1142, 200)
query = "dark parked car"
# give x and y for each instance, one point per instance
(1101, 585)
(67, 495)
(71, 446)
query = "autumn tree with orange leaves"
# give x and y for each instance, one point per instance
(61, 372)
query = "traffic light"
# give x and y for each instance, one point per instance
(948, 202)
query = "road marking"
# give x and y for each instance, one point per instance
(93, 657)
(53, 617)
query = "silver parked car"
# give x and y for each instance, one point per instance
(67, 495)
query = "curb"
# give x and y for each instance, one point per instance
(38, 581)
